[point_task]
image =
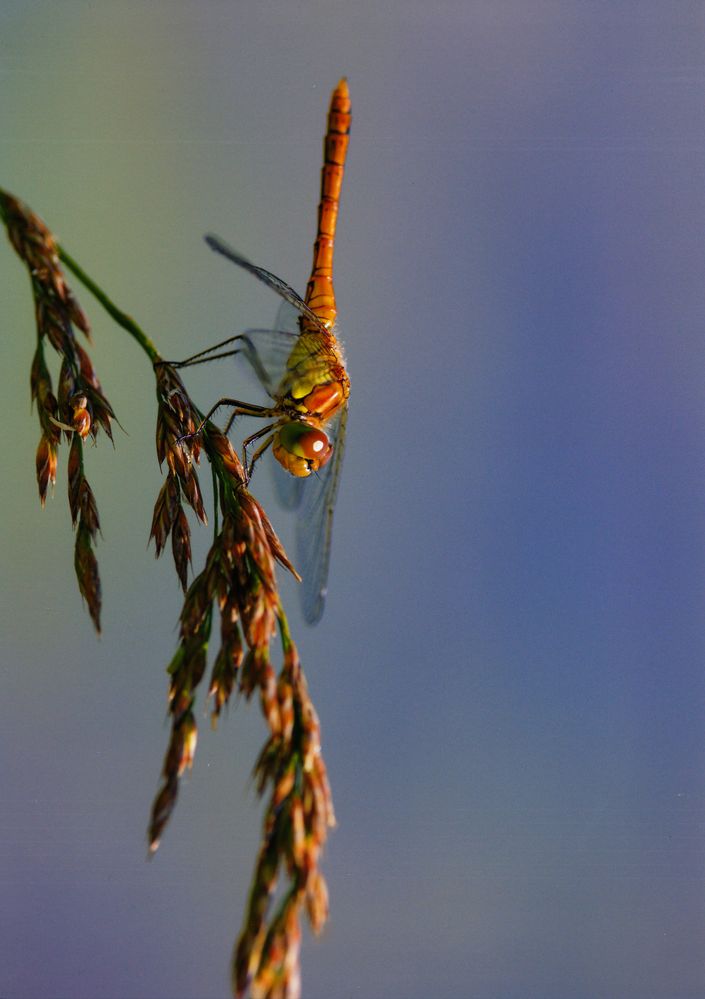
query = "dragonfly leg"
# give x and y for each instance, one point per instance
(250, 350)
(190, 362)
(260, 450)
(246, 347)
(228, 425)
(201, 358)
(245, 409)
(240, 409)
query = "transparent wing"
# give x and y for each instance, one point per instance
(287, 319)
(271, 280)
(267, 352)
(314, 526)
(274, 348)
(290, 490)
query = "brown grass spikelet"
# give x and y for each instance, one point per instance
(87, 573)
(185, 744)
(222, 451)
(40, 385)
(229, 659)
(81, 500)
(177, 418)
(84, 514)
(165, 512)
(181, 546)
(46, 462)
(317, 901)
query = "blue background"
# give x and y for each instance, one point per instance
(509, 673)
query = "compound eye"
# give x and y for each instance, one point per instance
(315, 446)
(306, 442)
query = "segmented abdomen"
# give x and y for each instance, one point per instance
(319, 291)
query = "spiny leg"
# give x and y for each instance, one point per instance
(260, 450)
(240, 409)
(248, 348)
(200, 357)
(231, 420)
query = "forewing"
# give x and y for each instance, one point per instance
(314, 526)
(287, 319)
(274, 348)
(271, 280)
(267, 352)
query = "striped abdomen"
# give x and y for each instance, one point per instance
(319, 291)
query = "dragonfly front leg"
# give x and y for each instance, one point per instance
(240, 409)
(202, 356)
(248, 466)
(245, 346)
(244, 409)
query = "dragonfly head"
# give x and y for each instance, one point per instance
(301, 448)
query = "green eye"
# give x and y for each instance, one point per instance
(305, 442)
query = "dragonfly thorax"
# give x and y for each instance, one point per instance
(320, 401)
(301, 448)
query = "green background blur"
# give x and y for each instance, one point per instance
(509, 673)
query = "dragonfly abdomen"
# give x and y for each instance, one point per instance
(319, 291)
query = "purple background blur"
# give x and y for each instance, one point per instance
(510, 670)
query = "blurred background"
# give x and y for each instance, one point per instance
(509, 673)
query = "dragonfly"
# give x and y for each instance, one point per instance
(301, 366)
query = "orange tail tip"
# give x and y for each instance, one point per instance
(340, 104)
(342, 88)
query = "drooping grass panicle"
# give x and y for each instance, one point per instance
(298, 816)
(79, 408)
(239, 579)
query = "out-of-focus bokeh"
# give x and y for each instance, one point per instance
(510, 669)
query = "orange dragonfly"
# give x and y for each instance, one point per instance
(301, 366)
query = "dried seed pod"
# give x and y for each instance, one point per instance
(181, 546)
(46, 462)
(87, 572)
(165, 512)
